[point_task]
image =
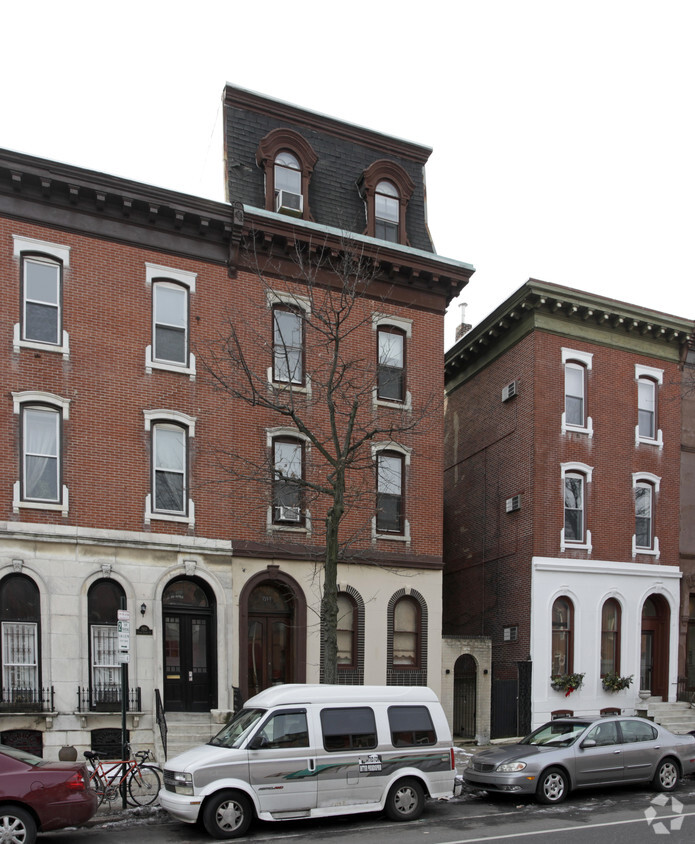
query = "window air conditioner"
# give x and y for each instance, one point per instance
(287, 202)
(287, 514)
(510, 391)
(513, 503)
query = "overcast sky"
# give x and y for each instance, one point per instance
(562, 132)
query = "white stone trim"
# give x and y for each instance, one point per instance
(280, 297)
(572, 355)
(580, 468)
(405, 324)
(29, 244)
(186, 519)
(658, 442)
(396, 537)
(390, 445)
(156, 271)
(57, 348)
(565, 545)
(151, 364)
(61, 507)
(646, 477)
(588, 429)
(651, 552)
(279, 386)
(285, 431)
(39, 397)
(175, 416)
(649, 372)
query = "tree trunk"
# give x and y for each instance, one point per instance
(329, 599)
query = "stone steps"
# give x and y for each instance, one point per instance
(678, 716)
(186, 730)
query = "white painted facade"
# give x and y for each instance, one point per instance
(589, 583)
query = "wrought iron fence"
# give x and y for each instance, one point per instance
(107, 698)
(26, 700)
(686, 690)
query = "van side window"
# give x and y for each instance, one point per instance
(410, 726)
(286, 729)
(345, 729)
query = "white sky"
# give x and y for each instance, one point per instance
(563, 132)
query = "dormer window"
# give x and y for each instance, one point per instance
(386, 212)
(288, 161)
(386, 189)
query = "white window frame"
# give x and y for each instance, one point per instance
(584, 359)
(377, 448)
(654, 481)
(301, 303)
(271, 435)
(181, 420)
(406, 326)
(650, 373)
(7, 666)
(161, 274)
(61, 255)
(587, 471)
(95, 666)
(60, 406)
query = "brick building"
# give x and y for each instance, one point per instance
(562, 460)
(116, 484)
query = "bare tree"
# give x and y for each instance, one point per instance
(323, 384)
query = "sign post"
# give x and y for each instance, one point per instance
(124, 659)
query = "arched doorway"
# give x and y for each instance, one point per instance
(188, 611)
(272, 634)
(465, 690)
(656, 616)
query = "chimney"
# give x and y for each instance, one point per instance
(463, 327)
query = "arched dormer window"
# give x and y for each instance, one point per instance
(288, 161)
(386, 189)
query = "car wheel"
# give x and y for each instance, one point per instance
(227, 814)
(552, 786)
(405, 800)
(666, 775)
(17, 826)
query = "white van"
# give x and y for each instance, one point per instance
(304, 751)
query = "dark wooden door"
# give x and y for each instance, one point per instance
(187, 660)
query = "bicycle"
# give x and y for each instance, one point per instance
(131, 778)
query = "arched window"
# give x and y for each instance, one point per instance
(41, 458)
(646, 401)
(288, 476)
(575, 390)
(288, 344)
(406, 633)
(288, 184)
(386, 188)
(562, 645)
(169, 468)
(386, 211)
(346, 630)
(610, 637)
(644, 528)
(390, 507)
(574, 507)
(287, 160)
(42, 294)
(391, 363)
(170, 322)
(20, 613)
(103, 603)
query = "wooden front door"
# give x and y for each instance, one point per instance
(655, 646)
(270, 645)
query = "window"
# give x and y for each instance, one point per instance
(634, 731)
(41, 453)
(288, 344)
(610, 637)
(103, 603)
(406, 633)
(646, 403)
(604, 734)
(169, 465)
(389, 504)
(643, 515)
(562, 644)
(20, 615)
(575, 377)
(288, 728)
(348, 728)
(287, 161)
(288, 474)
(41, 271)
(574, 508)
(170, 329)
(411, 726)
(648, 381)
(386, 212)
(386, 188)
(391, 364)
(346, 629)
(41, 299)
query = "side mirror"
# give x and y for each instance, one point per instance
(258, 742)
(589, 742)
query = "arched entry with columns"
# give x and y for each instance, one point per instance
(190, 659)
(272, 634)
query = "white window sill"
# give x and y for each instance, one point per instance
(651, 552)
(304, 389)
(58, 507)
(566, 545)
(394, 405)
(394, 537)
(587, 430)
(169, 517)
(169, 367)
(54, 348)
(658, 441)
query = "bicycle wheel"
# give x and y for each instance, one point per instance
(143, 785)
(99, 786)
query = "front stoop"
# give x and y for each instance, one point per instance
(677, 716)
(184, 731)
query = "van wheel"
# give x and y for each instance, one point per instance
(666, 775)
(17, 826)
(227, 814)
(405, 800)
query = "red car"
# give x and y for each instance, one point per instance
(36, 795)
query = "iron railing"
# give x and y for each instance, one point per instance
(107, 698)
(686, 691)
(27, 700)
(161, 720)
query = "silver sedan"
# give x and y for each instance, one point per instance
(571, 753)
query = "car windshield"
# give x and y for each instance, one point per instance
(238, 728)
(557, 733)
(22, 755)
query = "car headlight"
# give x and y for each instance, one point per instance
(511, 767)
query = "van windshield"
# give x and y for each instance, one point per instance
(238, 728)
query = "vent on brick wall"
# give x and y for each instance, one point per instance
(511, 634)
(513, 503)
(510, 391)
